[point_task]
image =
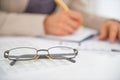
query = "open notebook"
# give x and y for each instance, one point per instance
(79, 35)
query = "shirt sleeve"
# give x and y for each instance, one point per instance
(22, 24)
(90, 19)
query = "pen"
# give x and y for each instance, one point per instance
(104, 50)
(115, 50)
(87, 38)
(62, 5)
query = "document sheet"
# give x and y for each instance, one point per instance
(95, 61)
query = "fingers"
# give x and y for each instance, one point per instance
(62, 32)
(66, 28)
(72, 18)
(113, 32)
(111, 29)
(103, 32)
(72, 23)
(69, 24)
(119, 33)
(76, 16)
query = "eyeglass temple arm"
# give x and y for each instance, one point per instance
(69, 59)
(43, 56)
(13, 62)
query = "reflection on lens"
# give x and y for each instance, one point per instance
(61, 52)
(22, 53)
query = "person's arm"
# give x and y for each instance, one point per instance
(108, 28)
(21, 24)
(90, 20)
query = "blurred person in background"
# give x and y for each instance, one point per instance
(41, 17)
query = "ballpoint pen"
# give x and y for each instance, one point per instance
(104, 50)
(62, 5)
(87, 38)
(115, 50)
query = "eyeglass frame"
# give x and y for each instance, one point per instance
(6, 54)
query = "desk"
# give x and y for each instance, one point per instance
(90, 64)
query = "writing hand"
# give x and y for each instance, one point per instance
(63, 23)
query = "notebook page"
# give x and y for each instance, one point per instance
(23, 67)
(93, 64)
(78, 36)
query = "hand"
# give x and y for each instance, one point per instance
(63, 23)
(110, 29)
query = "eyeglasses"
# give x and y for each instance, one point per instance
(29, 53)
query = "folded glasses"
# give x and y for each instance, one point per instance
(29, 53)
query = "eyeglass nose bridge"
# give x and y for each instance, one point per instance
(45, 50)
